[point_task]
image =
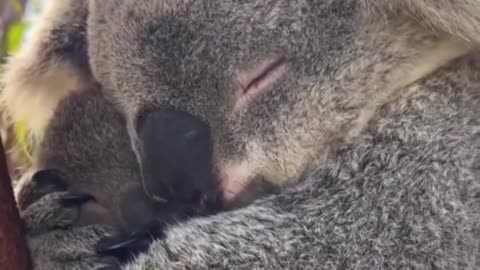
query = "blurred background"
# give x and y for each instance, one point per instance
(16, 19)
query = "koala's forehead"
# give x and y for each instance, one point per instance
(182, 43)
(185, 53)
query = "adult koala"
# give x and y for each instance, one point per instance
(365, 112)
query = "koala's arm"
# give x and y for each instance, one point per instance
(352, 216)
(458, 18)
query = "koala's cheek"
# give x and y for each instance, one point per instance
(94, 213)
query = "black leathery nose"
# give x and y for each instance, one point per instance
(176, 156)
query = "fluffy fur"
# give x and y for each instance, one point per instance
(40, 76)
(87, 145)
(372, 131)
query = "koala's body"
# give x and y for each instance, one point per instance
(365, 113)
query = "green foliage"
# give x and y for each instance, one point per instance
(14, 36)
(14, 32)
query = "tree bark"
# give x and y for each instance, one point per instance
(14, 254)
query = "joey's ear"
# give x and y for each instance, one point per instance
(51, 65)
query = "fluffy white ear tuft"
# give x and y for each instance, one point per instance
(49, 67)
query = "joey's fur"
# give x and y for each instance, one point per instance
(370, 128)
(85, 150)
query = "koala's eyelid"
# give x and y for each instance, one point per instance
(259, 79)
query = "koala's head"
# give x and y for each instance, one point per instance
(276, 81)
(260, 74)
(265, 86)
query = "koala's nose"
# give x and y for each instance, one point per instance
(176, 156)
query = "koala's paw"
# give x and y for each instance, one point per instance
(55, 244)
(72, 249)
(58, 210)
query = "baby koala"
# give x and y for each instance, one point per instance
(86, 152)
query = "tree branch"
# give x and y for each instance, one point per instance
(14, 253)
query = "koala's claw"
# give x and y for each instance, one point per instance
(108, 244)
(123, 246)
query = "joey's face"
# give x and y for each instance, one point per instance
(257, 73)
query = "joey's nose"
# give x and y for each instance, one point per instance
(176, 156)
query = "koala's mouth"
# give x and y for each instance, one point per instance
(260, 78)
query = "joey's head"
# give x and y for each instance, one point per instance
(258, 77)
(86, 151)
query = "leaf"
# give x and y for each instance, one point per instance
(14, 253)
(25, 143)
(15, 35)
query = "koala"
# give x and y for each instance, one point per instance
(86, 155)
(364, 114)
(86, 152)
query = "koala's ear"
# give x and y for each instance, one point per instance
(52, 64)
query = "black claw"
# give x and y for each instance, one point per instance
(114, 243)
(123, 246)
(73, 200)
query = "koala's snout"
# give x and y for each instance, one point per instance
(176, 156)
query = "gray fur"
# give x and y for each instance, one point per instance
(87, 144)
(394, 199)
(53, 245)
(403, 194)
(459, 18)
